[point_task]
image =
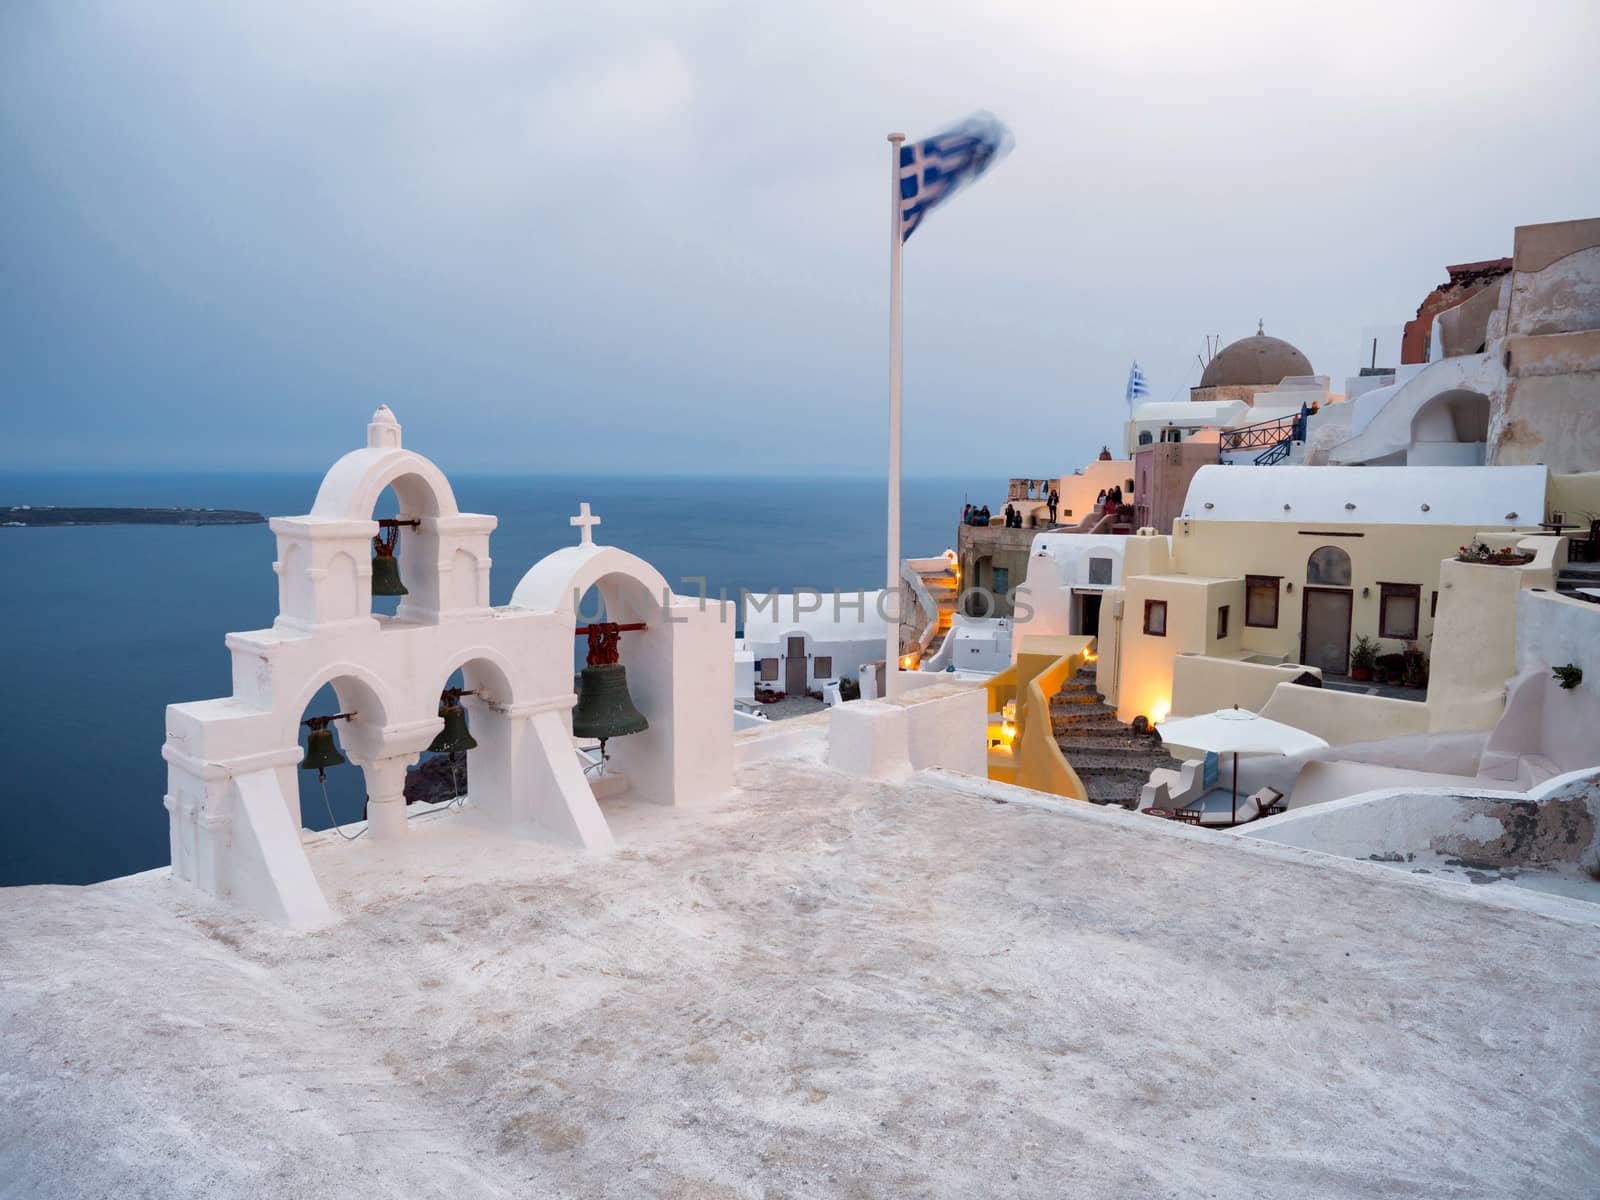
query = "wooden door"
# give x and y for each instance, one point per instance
(794, 667)
(1325, 629)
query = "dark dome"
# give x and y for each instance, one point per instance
(1254, 362)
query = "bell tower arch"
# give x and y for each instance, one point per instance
(679, 666)
(443, 553)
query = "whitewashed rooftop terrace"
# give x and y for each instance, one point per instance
(1485, 497)
(824, 987)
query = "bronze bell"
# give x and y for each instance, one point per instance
(321, 751)
(454, 738)
(604, 709)
(386, 576)
(385, 566)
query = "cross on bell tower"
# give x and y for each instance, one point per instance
(585, 522)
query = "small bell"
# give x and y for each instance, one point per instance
(321, 751)
(604, 709)
(454, 738)
(386, 577)
(385, 566)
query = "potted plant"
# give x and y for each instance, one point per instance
(1362, 658)
(1504, 556)
(1414, 669)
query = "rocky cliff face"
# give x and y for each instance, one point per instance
(429, 781)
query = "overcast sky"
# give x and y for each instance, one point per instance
(651, 237)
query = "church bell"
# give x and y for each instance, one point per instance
(386, 576)
(454, 738)
(322, 751)
(385, 566)
(604, 709)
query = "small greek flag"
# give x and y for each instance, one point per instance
(934, 170)
(1136, 385)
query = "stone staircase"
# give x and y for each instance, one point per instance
(944, 588)
(1576, 575)
(1113, 761)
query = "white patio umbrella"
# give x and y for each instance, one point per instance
(1238, 731)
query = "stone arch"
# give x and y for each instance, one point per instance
(359, 690)
(1457, 415)
(687, 749)
(632, 589)
(488, 671)
(350, 494)
(351, 488)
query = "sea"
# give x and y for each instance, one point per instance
(102, 627)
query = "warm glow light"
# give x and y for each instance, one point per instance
(1090, 656)
(1159, 711)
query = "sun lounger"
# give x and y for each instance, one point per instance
(1217, 808)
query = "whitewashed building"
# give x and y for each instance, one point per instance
(798, 642)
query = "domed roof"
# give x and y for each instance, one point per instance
(1253, 362)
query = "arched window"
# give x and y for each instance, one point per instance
(1328, 566)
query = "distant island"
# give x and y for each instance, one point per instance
(43, 514)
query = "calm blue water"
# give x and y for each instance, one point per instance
(101, 628)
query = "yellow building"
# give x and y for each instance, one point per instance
(1291, 565)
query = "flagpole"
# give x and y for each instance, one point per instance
(891, 661)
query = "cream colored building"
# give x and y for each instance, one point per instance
(1291, 565)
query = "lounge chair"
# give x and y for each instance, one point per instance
(1218, 809)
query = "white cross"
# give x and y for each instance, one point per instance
(585, 522)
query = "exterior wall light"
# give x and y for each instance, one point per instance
(1290, 585)
(1209, 504)
(1511, 516)
(1365, 592)
(1349, 506)
(1424, 508)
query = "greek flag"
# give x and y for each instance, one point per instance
(1136, 385)
(934, 170)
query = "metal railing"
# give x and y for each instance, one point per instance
(1263, 434)
(1276, 454)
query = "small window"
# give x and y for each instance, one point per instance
(1100, 571)
(1328, 566)
(1261, 601)
(1433, 606)
(1222, 621)
(822, 667)
(1145, 438)
(1398, 609)
(769, 670)
(1002, 580)
(1155, 618)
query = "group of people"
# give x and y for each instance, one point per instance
(972, 514)
(1109, 500)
